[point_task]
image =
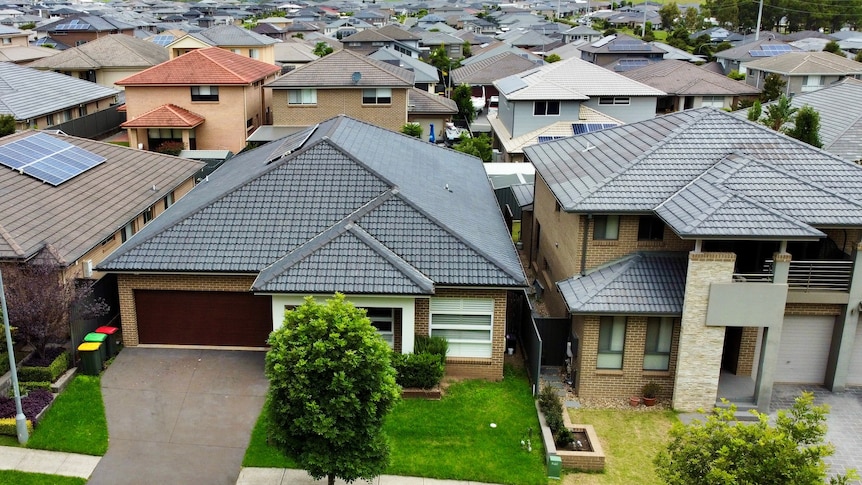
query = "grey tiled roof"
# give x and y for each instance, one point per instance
(232, 35)
(27, 93)
(115, 50)
(640, 283)
(804, 63)
(337, 69)
(421, 101)
(681, 78)
(489, 70)
(523, 194)
(422, 71)
(749, 172)
(352, 200)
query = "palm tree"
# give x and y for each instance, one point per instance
(779, 113)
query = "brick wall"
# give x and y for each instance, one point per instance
(333, 102)
(625, 382)
(747, 345)
(128, 283)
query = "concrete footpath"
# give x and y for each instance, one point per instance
(280, 476)
(50, 462)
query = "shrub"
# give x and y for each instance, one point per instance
(552, 408)
(170, 147)
(563, 436)
(549, 402)
(412, 129)
(9, 427)
(32, 404)
(423, 370)
(650, 389)
(432, 345)
(48, 373)
(26, 387)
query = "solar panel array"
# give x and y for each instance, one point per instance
(628, 46)
(545, 139)
(581, 128)
(770, 50)
(629, 64)
(48, 159)
(163, 40)
(74, 24)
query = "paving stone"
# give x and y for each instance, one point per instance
(573, 404)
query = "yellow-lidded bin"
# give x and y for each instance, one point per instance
(91, 358)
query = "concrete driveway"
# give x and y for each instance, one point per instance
(179, 415)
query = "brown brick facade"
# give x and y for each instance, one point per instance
(747, 346)
(334, 102)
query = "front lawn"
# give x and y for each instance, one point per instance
(24, 478)
(453, 438)
(76, 422)
(630, 440)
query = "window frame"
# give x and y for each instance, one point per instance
(615, 101)
(712, 101)
(380, 97)
(464, 307)
(604, 227)
(377, 319)
(657, 338)
(297, 97)
(211, 95)
(647, 226)
(607, 343)
(168, 199)
(546, 106)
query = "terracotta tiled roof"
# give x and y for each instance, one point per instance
(210, 65)
(166, 116)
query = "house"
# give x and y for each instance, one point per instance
(430, 41)
(555, 93)
(391, 37)
(430, 111)
(425, 76)
(803, 71)
(613, 48)
(840, 128)
(581, 32)
(482, 74)
(293, 53)
(48, 100)
(207, 99)
(15, 47)
(105, 60)
(80, 198)
(406, 229)
(700, 251)
(688, 86)
(229, 37)
(738, 58)
(343, 82)
(82, 28)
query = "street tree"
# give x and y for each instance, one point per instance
(806, 126)
(41, 301)
(725, 450)
(331, 386)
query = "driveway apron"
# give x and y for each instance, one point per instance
(179, 416)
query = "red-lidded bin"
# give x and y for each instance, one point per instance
(113, 344)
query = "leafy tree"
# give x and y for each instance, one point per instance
(723, 450)
(331, 386)
(806, 126)
(478, 146)
(41, 302)
(322, 49)
(833, 47)
(648, 35)
(7, 125)
(467, 49)
(692, 19)
(722, 46)
(669, 13)
(858, 57)
(553, 58)
(736, 75)
(755, 111)
(773, 87)
(779, 113)
(679, 37)
(462, 95)
(298, 35)
(610, 31)
(412, 129)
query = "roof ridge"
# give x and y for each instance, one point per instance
(13, 244)
(405, 268)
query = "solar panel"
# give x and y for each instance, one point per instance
(775, 48)
(163, 40)
(47, 158)
(544, 139)
(628, 46)
(581, 128)
(760, 54)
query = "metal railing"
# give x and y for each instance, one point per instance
(824, 275)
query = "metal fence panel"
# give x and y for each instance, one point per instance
(93, 125)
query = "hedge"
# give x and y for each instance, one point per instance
(423, 370)
(9, 427)
(45, 374)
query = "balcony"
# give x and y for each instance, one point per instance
(823, 277)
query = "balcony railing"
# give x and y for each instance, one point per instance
(826, 275)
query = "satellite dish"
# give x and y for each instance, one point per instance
(356, 77)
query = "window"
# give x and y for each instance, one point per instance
(650, 228)
(49, 120)
(615, 100)
(127, 231)
(377, 44)
(377, 96)
(713, 101)
(606, 227)
(384, 321)
(354, 44)
(204, 93)
(7, 40)
(546, 108)
(658, 339)
(302, 96)
(68, 115)
(168, 200)
(612, 337)
(82, 111)
(109, 239)
(254, 53)
(812, 83)
(148, 215)
(466, 323)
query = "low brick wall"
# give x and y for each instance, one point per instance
(593, 461)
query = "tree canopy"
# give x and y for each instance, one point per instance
(462, 96)
(806, 126)
(779, 113)
(331, 388)
(7, 125)
(322, 49)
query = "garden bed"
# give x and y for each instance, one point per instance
(416, 393)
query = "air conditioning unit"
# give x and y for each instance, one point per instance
(88, 268)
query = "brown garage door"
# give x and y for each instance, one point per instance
(203, 318)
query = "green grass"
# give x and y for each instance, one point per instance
(453, 438)
(24, 478)
(76, 422)
(630, 440)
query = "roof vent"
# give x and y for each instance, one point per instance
(356, 77)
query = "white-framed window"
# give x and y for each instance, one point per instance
(546, 108)
(812, 82)
(377, 96)
(302, 96)
(659, 335)
(612, 338)
(713, 101)
(168, 200)
(606, 228)
(7, 40)
(127, 231)
(377, 44)
(618, 100)
(254, 53)
(204, 93)
(383, 319)
(466, 323)
(148, 215)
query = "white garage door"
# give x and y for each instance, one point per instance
(804, 349)
(854, 375)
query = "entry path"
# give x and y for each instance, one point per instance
(179, 415)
